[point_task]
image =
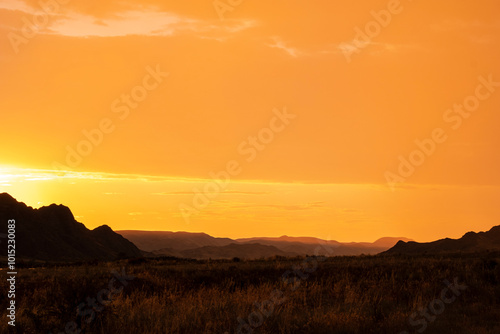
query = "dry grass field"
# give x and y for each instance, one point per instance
(367, 294)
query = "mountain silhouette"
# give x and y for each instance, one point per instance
(179, 241)
(51, 233)
(198, 245)
(469, 243)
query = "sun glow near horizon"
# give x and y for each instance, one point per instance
(342, 212)
(124, 111)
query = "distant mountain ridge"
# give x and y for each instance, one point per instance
(51, 233)
(468, 243)
(151, 241)
(202, 245)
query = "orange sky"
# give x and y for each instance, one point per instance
(355, 106)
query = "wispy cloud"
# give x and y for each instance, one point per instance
(15, 174)
(292, 207)
(278, 43)
(247, 192)
(148, 22)
(17, 5)
(140, 20)
(374, 48)
(174, 193)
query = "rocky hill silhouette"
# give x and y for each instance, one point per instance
(471, 242)
(51, 233)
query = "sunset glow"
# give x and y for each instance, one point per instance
(349, 122)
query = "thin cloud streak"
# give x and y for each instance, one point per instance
(141, 21)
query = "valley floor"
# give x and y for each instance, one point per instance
(367, 294)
